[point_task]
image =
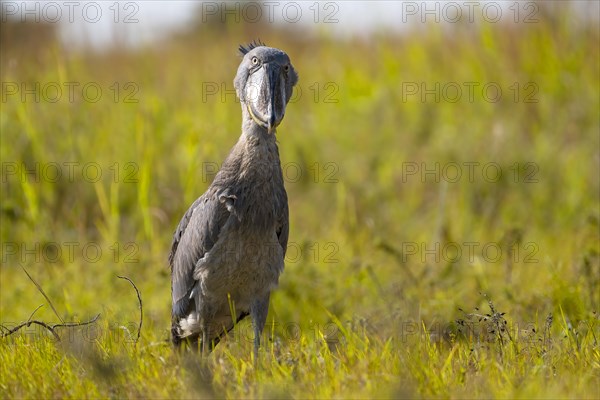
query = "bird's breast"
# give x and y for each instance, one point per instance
(240, 266)
(260, 189)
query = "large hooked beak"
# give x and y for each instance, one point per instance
(266, 96)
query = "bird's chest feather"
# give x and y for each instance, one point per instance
(260, 187)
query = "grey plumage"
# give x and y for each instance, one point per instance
(228, 250)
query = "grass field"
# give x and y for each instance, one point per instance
(444, 208)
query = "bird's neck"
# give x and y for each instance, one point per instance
(250, 129)
(257, 150)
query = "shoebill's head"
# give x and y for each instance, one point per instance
(264, 83)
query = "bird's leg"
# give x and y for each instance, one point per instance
(258, 311)
(175, 339)
(205, 339)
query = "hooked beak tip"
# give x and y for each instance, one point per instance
(271, 124)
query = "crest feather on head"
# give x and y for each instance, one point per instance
(250, 46)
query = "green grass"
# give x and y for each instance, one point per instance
(367, 306)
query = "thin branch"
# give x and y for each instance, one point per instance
(72, 324)
(42, 292)
(49, 327)
(27, 324)
(139, 296)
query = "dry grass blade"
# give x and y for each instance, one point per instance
(34, 311)
(42, 292)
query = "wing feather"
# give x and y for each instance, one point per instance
(195, 235)
(283, 226)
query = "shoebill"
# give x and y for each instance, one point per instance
(228, 250)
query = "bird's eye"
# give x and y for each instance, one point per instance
(286, 68)
(255, 60)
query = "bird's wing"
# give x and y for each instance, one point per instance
(195, 235)
(283, 225)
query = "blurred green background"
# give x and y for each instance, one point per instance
(383, 230)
